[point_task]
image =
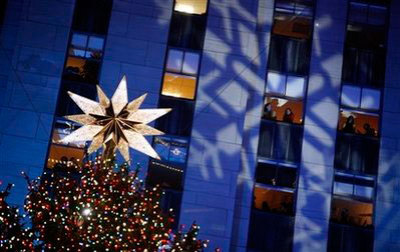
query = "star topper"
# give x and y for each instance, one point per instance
(115, 123)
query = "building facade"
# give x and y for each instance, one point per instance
(283, 134)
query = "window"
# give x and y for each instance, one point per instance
(280, 141)
(353, 185)
(84, 57)
(365, 13)
(351, 212)
(181, 73)
(293, 19)
(3, 6)
(92, 16)
(354, 122)
(289, 55)
(357, 154)
(64, 155)
(171, 149)
(191, 6)
(286, 85)
(360, 98)
(273, 200)
(276, 175)
(178, 122)
(165, 174)
(363, 67)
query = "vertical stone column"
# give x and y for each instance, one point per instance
(321, 118)
(33, 44)
(135, 47)
(387, 204)
(254, 107)
(222, 96)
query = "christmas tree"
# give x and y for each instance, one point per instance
(99, 207)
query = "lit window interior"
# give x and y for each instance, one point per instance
(273, 200)
(191, 6)
(283, 110)
(292, 26)
(359, 123)
(351, 212)
(177, 85)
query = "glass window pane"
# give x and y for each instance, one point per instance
(358, 12)
(370, 99)
(276, 83)
(273, 200)
(191, 63)
(96, 43)
(177, 85)
(295, 86)
(283, 110)
(351, 212)
(79, 40)
(174, 62)
(364, 191)
(178, 151)
(77, 52)
(351, 96)
(377, 15)
(191, 6)
(343, 188)
(292, 26)
(161, 146)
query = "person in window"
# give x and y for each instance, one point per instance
(268, 112)
(368, 130)
(288, 116)
(349, 126)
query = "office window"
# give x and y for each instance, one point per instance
(3, 6)
(92, 16)
(364, 67)
(273, 200)
(285, 110)
(178, 122)
(180, 78)
(293, 19)
(357, 154)
(285, 85)
(351, 212)
(191, 6)
(356, 186)
(187, 30)
(372, 14)
(65, 155)
(276, 175)
(84, 57)
(171, 149)
(360, 98)
(361, 123)
(280, 141)
(165, 174)
(288, 55)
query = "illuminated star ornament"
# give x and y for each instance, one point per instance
(115, 123)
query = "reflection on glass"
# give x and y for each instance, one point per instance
(180, 86)
(350, 96)
(174, 61)
(370, 99)
(276, 83)
(79, 40)
(292, 26)
(361, 123)
(271, 200)
(191, 6)
(295, 87)
(283, 110)
(275, 175)
(96, 43)
(191, 63)
(171, 148)
(351, 212)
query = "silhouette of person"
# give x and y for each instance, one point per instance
(349, 126)
(288, 115)
(268, 112)
(368, 130)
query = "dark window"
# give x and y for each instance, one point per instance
(65, 105)
(280, 141)
(344, 238)
(289, 55)
(295, 7)
(179, 121)
(3, 6)
(270, 232)
(187, 30)
(364, 67)
(165, 174)
(276, 175)
(364, 13)
(357, 154)
(92, 16)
